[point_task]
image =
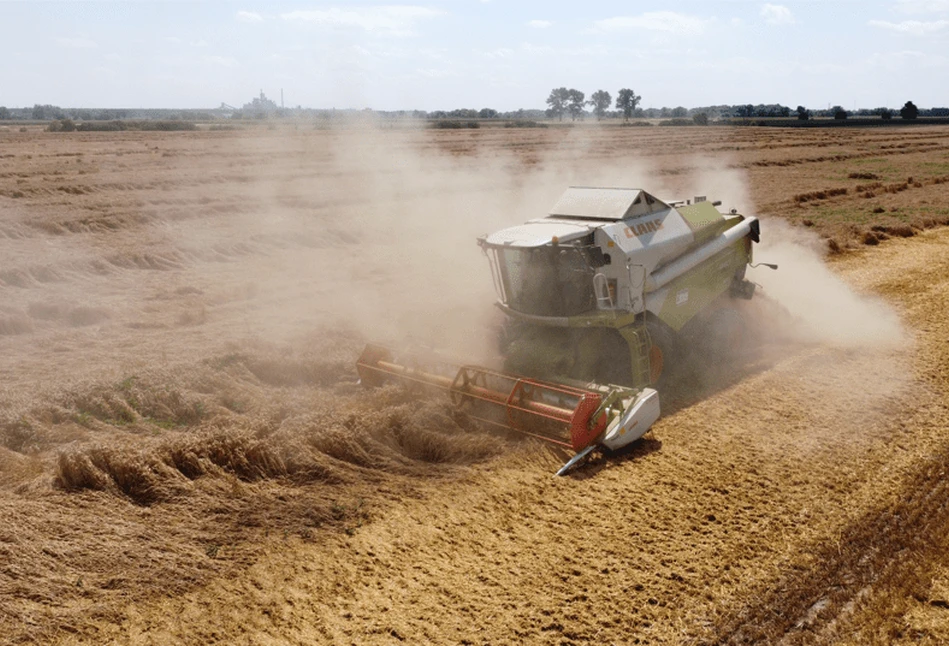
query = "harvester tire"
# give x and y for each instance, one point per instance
(662, 353)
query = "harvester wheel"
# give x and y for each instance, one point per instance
(662, 353)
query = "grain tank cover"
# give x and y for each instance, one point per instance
(612, 204)
(538, 233)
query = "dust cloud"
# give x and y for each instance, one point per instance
(395, 256)
(821, 307)
(816, 305)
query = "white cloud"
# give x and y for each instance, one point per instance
(777, 14)
(76, 43)
(393, 20)
(659, 21)
(923, 6)
(912, 27)
(539, 24)
(249, 16)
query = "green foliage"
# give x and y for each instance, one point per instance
(558, 100)
(487, 113)
(575, 107)
(679, 113)
(838, 112)
(46, 112)
(803, 114)
(525, 124)
(627, 102)
(600, 100)
(117, 125)
(63, 125)
(909, 111)
(452, 124)
(461, 113)
(700, 119)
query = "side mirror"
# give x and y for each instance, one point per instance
(596, 257)
(755, 227)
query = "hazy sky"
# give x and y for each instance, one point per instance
(446, 54)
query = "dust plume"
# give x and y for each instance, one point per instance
(818, 306)
(392, 233)
(821, 307)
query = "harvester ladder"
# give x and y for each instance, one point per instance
(639, 342)
(601, 287)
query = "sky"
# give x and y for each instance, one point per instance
(447, 54)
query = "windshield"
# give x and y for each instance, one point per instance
(546, 281)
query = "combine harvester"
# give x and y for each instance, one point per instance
(601, 298)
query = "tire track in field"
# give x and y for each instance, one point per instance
(880, 549)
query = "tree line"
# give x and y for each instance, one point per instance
(563, 101)
(908, 111)
(572, 103)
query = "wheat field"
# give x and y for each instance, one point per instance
(186, 455)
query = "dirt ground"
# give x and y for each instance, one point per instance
(186, 456)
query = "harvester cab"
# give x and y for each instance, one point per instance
(599, 298)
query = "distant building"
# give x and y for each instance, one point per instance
(260, 107)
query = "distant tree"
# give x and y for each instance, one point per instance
(838, 112)
(558, 102)
(679, 112)
(67, 125)
(886, 114)
(909, 111)
(4, 112)
(627, 100)
(488, 113)
(575, 107)
(803, 113)
(746, 111)
(700, 119)
(600, 100)
(44, 112)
